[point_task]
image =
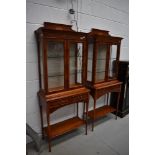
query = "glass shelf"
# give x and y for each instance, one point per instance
(100, 71)
(59, 74)
(62, 57)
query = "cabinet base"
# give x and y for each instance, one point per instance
(64, 127)
(101, 111)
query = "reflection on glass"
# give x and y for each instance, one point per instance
(113, 55)
(55, 55)
(75, 64)
(90, 62)
(79, 62)
(101, 62)
(72, 64)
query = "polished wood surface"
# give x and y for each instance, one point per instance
(101, 111)
(108, 84)
(104, 88)
(51, 103)
(97, 91)
(58, 100)
(54, 98)
(63, 33)
(64, 127)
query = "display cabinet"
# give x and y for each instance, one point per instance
(62, 63)
(103, 49)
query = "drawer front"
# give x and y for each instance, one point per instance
(103, 91)
(58, 103)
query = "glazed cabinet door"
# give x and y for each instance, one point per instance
(55, 65)
(90, 62)
(101, 59)
(76, 53)
(113, 57)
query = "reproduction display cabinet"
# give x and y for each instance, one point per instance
(103, 49)
(62, 61)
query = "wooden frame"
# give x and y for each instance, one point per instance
(107, 85)
(50, 101)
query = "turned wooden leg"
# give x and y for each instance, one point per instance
(93, 115)
(87, 103)
(118, 98)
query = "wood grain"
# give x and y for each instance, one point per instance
(100, 112)
(64, 127)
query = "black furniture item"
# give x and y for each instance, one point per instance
(123, 76)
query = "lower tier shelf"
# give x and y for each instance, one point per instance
(101, 111)
(64, 127)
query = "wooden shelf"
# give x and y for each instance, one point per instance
(65, 126)
(100, 112)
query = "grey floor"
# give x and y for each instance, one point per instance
(110, 137)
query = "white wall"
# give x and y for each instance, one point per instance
(109, 15)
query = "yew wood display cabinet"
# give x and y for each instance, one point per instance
(62, 63)
(103, 49)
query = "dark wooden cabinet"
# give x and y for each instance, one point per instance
(123, 76)
(62, 63)
(103, 49)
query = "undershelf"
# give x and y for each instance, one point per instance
(101, 111)
(64, 126)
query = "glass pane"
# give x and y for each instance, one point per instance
(79, 62)
(75, 64)
(55, 61)
(101, 62)
(90, 62)
(113, 55)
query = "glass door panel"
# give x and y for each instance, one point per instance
(90, 62)
(101, 62)
(113, 55)
(75, 64)
(55, 62)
